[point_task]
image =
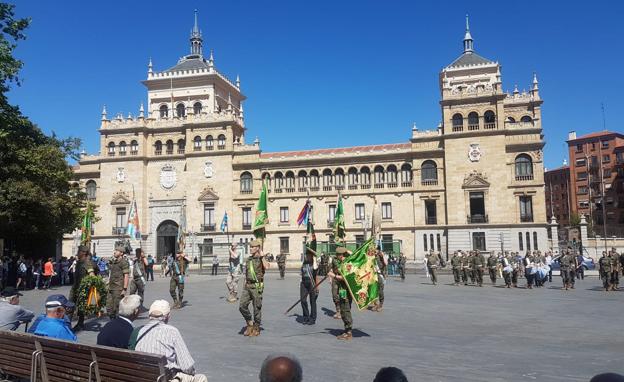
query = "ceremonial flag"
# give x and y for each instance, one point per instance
(376, 221)
(304, 214)
(339, 221)
(360, 274)
(224, 222)
(133, 229)
(87, 224)
(262, 217)
(182, 229)
(310, 229)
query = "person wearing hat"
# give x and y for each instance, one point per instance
(178, 273)
(117, 281)
(158, 337)
(138, 278)
(307, 287)
(11, 313)
(84, 267)
(344, 305)
(234, 273)
(433, 262)
(54, 324)
(253, 289)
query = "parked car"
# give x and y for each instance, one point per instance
(588, 264)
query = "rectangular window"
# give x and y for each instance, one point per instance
(520, 244)
(583, 204)
(582, 190)
(360, 212)
(439, 242)
(528, 241)
(431, 213)
(386, 244)
(606, 158)
(478, 241)
(246, 217)
(526, 209)
(594, 160)
(283, 214)
(284, 245)
(425, 242)
(605, 144)
(581, 176)
(606, 173)
(477, 208)
(331, 212)
(359, 240)
(209, 214)
(579, 148)
(581, 162)
(121, 217)
(208, 249)
(535, 247)
(386, 210)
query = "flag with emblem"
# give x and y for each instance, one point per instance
(360, 274)
(182, 228)
(87, 225)
(133, 228)
(224, 222)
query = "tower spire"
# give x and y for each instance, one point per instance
(196, 38)
(468, 42)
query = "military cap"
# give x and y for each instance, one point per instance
(341, 250)
(83, 248)
(255, 243)
(120, 248)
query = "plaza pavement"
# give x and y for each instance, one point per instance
(433, 333)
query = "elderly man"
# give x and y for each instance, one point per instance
(55, 324)
(158, 337)
(116, 333)
(281, 368)
(11, 313)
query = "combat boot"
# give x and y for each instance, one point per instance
(255, 331)
(379, 308)
(346, 336)
(249, 329)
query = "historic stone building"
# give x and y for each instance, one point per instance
(476, 181)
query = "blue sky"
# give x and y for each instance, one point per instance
(322, 73)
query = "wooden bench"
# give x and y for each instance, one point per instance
(46, 359)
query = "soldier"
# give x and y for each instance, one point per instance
(254, 287)
(334, 289)
(137, 270)
(402, 263)
(117, 281)
(565, 263)
(466, 265)
(507, 270)
(471, 272)
(456, 264)
(433, 262)
(84, 267)
(605, 271)
(382, 274)
(281, 264)
(344, 296)
(492, 265)
(234, 272)
(615, 270)
(478, 263)
(324, 266)
(573, 269)
(515, 268)
(178, 273)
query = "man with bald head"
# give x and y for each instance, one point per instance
(281, 368)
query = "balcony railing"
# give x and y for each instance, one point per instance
(490, 125)
(302, 189)
(181, 151)
(209, 148)
(429, 182)
(526, 218)
(392, 185)
(339, 187)
(278, 190)
(524, 178)
(314, 188)
(119, 230)
(134, 152)
(221, 147)
(458, 128)
(289, 189)
(431, 220)
(365, 186)
(122, 153)
(472, 127)
(353, 187)
(379, 185)
(406, 184)
(477, 219)
(246, 226)
(197, 148)
(327, 188)
(111, 153)
(158, 152)
(169, 152)
(207, 227)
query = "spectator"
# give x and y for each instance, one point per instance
(21, 272)
(163, 267)
(116, 333)
(281, 368)
(11, 313)
(64, 271)
(215, 265)
(55, 324)
(608, 377)
(158, 337)
(37, 270)
(390, 374)
(48, 272)
(71, 269)
(150, 267)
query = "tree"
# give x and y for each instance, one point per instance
(575, 220)
(37, 203)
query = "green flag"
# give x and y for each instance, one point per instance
(87, 224)
(339, 221)
(262, 216)
(359, 271)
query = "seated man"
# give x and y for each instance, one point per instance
(55, 324)
(116, 333)
(158, 337)
(281, 368)
(11, 313)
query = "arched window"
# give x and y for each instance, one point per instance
(91, 187)
(197, 143)
(209, 143)
(181, 146)
(180, 110)
(302, 180)
(246, 183)
(111, 149)
(365, 177)
(458, 122)
(169, 146)
(379, 177)
(526, 118)
(489, 120)
(524, 167)
(339, 178)
(290, 181)
(221, 142)
(429, 173)
(158, 148)
(314, 180)
(134, 147)
(197, 108)
(511, 120)
(473, 121)
(122, 148)
(278, 182)
(164, 111)
(327, 179)
(391, 176)
(352, 178)
(406, 175)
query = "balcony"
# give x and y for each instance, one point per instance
(392, 185)
(119, 231)
(526, 218)
(406, 184)
(122, 153)
(289, 189)
(327, 188)
(524, 178)
(458, 128)
(208, 227)
(196, 148)
(181, 151)
(365, 186)
(431, 220)
(379, 185)
(490, 125)
(278, 190)
(209, 148)
(221, 147)
(134, 152)
(473, 127)
(353, 187)
(158, 152)
(477, 218)
(302, 189)
(246, 226)
(429, 182)
(111, 153)
(169, 152)
(314, 188)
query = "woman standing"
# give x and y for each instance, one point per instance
(307, 288)
(48, 272)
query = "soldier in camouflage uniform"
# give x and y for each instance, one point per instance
(234, 272)
(253, 289)
(84, 267)
(281, 264)
(402, 264)
(492, 265)
(178, 274)
(433, 262)
(344, 296)
(382, 274)
(117, 281)
(456, 264)
(615, 270)
(466, 265)
(604, 264)
(565, 262)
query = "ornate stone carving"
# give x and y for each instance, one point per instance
(207, 194)
(208, 169)
(475, 180)
(120, 175)
(120, 198)
(474, 152)
(168, 177)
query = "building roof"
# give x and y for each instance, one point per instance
(597, 135)
(189, 64)
(341, 150)
(566, 167)
(469, 59)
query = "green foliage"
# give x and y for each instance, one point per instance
(37, 203)
(83, 294)
(575, 219)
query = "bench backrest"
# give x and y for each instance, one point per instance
(47, 359)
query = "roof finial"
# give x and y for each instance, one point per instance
(149, 66)
(196, 39)
(196, 31)
(414, 128)
(211, 61)
(238, 81)
(468, 42)
(535, 81)
(104, 113)
(141, 111)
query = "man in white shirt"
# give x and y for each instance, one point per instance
(549, 260)
(158, 337)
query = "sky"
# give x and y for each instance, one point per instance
(322, 74)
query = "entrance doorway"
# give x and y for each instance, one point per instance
(166, 239)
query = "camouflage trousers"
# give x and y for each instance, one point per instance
(345, 311)
(251, 295)
(176, 284)
(112, 302)
(231, 282)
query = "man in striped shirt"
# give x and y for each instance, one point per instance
(158, 337)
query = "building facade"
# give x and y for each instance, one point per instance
(558, 204)
(474, 182)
